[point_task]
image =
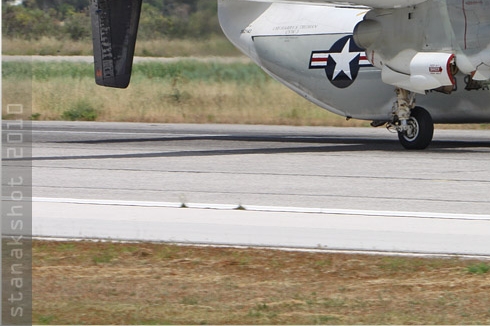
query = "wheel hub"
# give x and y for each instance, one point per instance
(412, 130)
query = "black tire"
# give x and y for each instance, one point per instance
(423, 130)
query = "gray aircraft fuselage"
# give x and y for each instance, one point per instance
(310, 48)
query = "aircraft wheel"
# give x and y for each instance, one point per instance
(420, 131)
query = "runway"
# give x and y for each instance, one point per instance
(334, 188)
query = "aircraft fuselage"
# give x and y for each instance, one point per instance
(311, 49)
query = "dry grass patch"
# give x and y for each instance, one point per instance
(46, 46)
(187, 91)
(114, 283)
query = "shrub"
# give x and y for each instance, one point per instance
(77, 26)
(82, 110)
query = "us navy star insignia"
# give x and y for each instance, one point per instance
(343, 60)
(341, 63)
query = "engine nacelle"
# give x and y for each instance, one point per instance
(428, 71)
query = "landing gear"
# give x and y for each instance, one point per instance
(419, 131)
(413, 124)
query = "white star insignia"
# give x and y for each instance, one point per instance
(343, 60)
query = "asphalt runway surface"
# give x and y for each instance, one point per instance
(359, 180)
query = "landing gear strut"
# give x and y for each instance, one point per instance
(414, 124)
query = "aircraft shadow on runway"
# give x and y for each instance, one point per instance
(326, 144)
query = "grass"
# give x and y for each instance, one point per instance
(81, 111)
(143, 283)
(186, 91)
(480, 268)
(214, 46)
(46, 320)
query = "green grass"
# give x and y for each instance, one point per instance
(397, 264)
(175, 74)
(66, 246)
(480, 268)
(211, 46)
(46, 320)
(81, 110)
(185, 70)
(191, 70)
(102, 258)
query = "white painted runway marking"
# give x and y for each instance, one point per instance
(457, 234)
(355, 212)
